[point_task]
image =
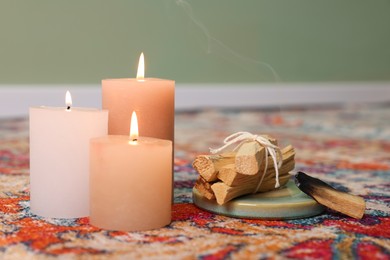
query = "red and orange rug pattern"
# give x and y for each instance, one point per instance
(348, 147)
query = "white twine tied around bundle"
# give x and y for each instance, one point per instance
(271, 149)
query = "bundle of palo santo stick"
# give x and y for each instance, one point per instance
(225, 176)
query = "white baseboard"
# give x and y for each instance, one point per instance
(16, 99)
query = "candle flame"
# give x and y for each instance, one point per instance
(68, 100)
(134, 127)
(141, 67)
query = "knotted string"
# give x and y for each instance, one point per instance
(271, 149)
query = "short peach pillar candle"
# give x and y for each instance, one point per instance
(152, 99)
(130, 182)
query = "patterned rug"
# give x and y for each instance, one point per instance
(348, 147)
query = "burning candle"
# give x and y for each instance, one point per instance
(152, 99)
(130, 181)
(59, 152)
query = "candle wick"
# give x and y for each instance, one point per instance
(135, 139)
(68, 108)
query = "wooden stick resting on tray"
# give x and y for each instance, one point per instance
(204, 188)
(209, 165)
(250, 155)
(248, 158)
(224, 193)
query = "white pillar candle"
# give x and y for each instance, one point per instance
(59, 158)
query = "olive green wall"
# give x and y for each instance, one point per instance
(83, 41)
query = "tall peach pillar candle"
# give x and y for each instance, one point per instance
(59, 158)
(130, 182)
(153, 99)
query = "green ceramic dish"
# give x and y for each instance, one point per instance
(286, 203)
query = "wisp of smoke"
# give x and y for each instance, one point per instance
(215, 46)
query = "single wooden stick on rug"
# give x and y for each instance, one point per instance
(348, 204)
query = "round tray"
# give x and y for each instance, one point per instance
(288, 202)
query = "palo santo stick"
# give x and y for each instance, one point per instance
(208, 165)
(230, 177)
(224, 193)
(204, 188)
(250, 155)
(348, 204)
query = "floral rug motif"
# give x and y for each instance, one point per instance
(348, 147)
